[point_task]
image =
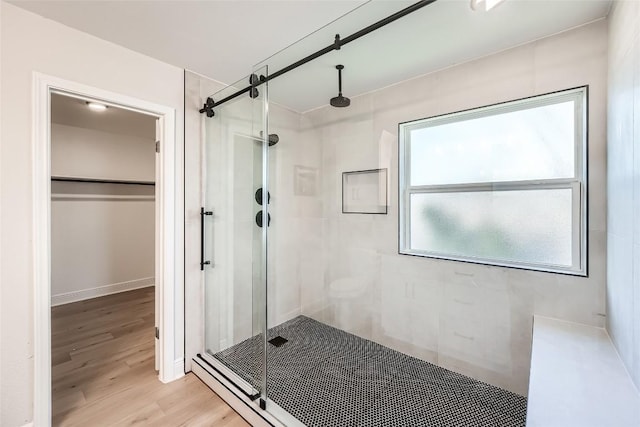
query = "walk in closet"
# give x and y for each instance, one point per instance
(102, 200)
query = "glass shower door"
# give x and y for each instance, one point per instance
(235, 236)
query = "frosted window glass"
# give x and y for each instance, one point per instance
(531, 226)
(535, 143)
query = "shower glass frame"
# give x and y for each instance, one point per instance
(346, 24)
(240, 121)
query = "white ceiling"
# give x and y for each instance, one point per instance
(70, 111)
(224, 39)
(435, 37)
(221, 39)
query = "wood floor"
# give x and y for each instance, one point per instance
(103, 370)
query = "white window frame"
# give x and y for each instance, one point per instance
(577, 183)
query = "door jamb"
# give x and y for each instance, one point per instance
(165, 268)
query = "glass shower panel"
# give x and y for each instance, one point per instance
(323, 264)
(234, 236)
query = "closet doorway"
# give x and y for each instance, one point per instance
(103, 216)
(105, 246)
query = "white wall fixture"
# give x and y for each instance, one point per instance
(95, 106)
(484, 5)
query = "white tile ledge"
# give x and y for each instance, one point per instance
(578, 379)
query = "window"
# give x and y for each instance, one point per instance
(501, 185)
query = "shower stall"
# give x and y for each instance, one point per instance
(233, 238)
(308, 314)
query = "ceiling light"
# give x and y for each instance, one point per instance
(96, 106)
(484, 5)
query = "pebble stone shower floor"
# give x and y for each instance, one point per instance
(327, 377)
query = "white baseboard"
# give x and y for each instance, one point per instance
(178, 368)
(28, 425)
(115, 288)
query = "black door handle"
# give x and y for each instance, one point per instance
(203, 213)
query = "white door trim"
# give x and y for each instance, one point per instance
(165, 241)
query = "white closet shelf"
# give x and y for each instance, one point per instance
(60, 196)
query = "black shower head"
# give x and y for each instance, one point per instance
(340, 101)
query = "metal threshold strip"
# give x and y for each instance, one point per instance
(336, 45)
(230, 376)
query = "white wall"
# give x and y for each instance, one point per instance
(470, 318)
(69, 54)
(623, 214)
(100, 245)
(197, 88)
(90, 153)
(295, 234)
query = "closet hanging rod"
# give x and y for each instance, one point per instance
(336, 45)
(100, 180)
(61, 196)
